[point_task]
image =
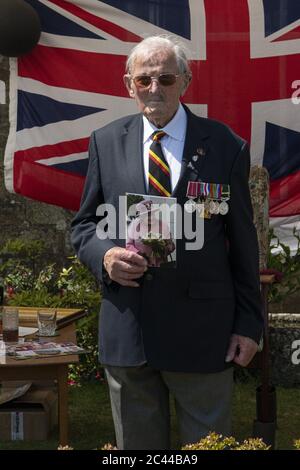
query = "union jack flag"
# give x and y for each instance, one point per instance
(245, 61)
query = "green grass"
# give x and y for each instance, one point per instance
(91, 426)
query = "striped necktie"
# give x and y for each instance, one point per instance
(159, 171)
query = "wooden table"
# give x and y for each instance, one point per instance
(47, 368)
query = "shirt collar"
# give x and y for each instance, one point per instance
(175, 128)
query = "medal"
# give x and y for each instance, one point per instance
(217, 207)
(193, 189)
(191, 193)
(211, 198)
(225, 196)
(190, 206)
(223, 208)
(213, 207)
(201, 210)
(206, 209)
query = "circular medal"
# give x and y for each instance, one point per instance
(200, 209)
(206, 204)
(223, 208)
(190, 206)
(213, 207)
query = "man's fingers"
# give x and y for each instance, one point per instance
(124, 266)
(247, 350)
(131, 268)
(244, 358)
(126, 278)
(133, 258)
(231, 352)
(129, 275)
(116, 255)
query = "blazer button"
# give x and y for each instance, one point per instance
(149, 277)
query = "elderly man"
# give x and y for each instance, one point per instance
(175, 331)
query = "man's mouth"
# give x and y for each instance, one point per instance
(155, 101)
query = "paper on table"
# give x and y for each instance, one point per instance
(31, 349)
(11, 390)
(26, 331)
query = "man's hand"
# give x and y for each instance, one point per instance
(241, 350)
(123, 266)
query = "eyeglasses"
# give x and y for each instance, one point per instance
(164, 79)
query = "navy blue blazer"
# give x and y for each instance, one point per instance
(178, 319)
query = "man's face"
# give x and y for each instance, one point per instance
(158, 103)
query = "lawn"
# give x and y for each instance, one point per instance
(91, 423)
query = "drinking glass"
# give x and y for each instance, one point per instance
(47, 322)
(10, 324)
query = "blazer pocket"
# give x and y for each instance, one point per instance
(210, 290)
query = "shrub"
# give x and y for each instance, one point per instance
(29, 281)
(282, 261)
(217, 442)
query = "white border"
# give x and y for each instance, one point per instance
(11, 140)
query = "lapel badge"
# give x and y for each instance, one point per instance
(201, 151)
(195, 158)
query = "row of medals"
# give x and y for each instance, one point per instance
(206, 207)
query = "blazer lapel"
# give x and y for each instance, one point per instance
(196, 149)
(133, 149)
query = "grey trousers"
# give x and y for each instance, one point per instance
(140, 405)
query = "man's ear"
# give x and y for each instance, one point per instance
(187, 81)
(127, 82)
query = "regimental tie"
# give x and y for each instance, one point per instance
(159, 171)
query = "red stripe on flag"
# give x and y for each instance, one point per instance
(284, 196)
(295, 34)
(78, 70)
(101, 23)
(56, 150)
(48, 184)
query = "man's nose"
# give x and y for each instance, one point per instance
(154, 85)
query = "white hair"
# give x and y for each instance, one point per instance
(155, 43)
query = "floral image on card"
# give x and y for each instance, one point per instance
(150, 228)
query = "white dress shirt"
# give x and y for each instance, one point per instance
(172, 144)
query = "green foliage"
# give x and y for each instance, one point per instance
(21, 261)
(133, 199)
(23, 248)
(283, 262)
(297, 444)
(217, 442)
(30, 281)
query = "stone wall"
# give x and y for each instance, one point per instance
(284, 347)
(20, 216)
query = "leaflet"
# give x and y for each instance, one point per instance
(35, 349)
(151, 228)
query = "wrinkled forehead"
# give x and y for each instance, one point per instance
(158, 58)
